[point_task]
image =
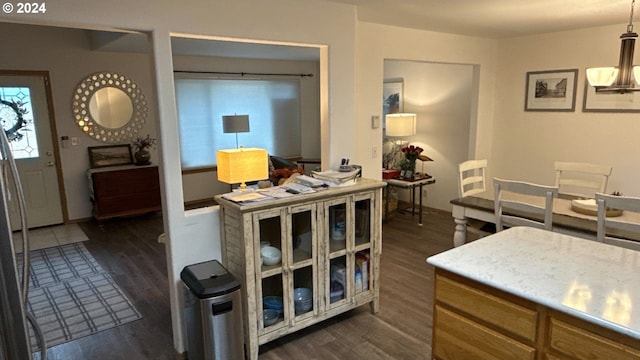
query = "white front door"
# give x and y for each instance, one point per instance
(32, 146)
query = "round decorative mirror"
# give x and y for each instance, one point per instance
(109, 107)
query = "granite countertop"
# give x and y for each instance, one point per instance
(592, 281)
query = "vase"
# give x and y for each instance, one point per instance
(142, 157)
(410, 171)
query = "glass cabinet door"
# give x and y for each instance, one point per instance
(337, 241)
(301, 264)
(288, 287)
(269, 250)
(349, 235)
(363, 242)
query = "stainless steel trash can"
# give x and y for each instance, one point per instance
(213, 312)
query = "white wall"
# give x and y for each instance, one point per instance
(440, 96)
(375, 43)
(192, 236)
(527, 143)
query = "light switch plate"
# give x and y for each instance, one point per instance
(375, 121)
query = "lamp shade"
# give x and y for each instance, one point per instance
(242, 165)
(235, 123)
(636, 74)
(602, 76)
(401, 124)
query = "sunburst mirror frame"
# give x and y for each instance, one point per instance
(83, 94)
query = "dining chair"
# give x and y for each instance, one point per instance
(616, 230)
(519, 203)
(472, 177)
(581, 179)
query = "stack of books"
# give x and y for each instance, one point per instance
(337, 178)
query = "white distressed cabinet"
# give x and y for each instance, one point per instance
(332, 235)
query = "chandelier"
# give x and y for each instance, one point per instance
(619, 79)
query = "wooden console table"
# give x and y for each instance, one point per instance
(124, 190)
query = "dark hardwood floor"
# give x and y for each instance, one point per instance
(129, 250)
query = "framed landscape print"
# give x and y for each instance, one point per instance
(110, 155)
(609, 101)
(553, 90)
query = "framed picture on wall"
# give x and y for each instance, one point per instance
(110, 155)
(609, 101)
(392, 96)
(392, 103)
(553, 90)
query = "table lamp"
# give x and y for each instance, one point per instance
(241, 165)
(398, 125)
(235, 124)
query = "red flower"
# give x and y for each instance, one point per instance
(412, 152)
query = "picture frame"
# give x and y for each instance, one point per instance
(392, 103)
(110, 155)
(609, 101)
(392, 96)
(551, 90)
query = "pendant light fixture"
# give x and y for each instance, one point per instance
(619, 79)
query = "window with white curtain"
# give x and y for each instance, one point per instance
(273, 106)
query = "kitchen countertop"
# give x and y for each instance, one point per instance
(592, 281)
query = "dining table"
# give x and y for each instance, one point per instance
(565, 219)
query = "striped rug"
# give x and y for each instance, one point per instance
(71, 296)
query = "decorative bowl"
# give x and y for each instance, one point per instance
(302, 300)
(337, 291)
(271, 255)
(270, 317)
(273, 303)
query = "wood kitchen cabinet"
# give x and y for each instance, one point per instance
(528, 293)
(475, 321)
(329, 236)
(124, 191)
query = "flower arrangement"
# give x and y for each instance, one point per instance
(143, 144)
(411, 152)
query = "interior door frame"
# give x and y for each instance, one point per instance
(54, 131)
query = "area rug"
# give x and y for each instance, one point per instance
(71, 296)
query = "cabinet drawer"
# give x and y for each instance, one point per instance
(579, 343)
(501, 313)
(124, 192)
(126, 182)
(129, 203)
(458, 338)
